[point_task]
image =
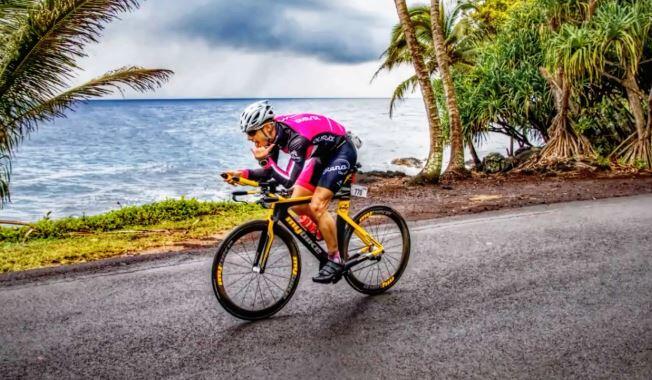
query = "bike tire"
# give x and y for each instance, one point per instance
(226, 296)
(395, 266)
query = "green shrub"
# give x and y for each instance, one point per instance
(146, 215)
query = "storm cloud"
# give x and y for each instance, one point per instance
(328, 30)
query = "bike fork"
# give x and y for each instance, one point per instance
(264, 246)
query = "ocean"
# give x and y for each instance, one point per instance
(113, 153)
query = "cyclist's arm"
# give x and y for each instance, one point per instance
(297, 148)
(264, 173)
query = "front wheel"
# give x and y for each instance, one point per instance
(380, 273)
(241, 288)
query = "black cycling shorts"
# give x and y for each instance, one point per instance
(329, 171)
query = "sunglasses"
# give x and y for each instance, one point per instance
(252, 133)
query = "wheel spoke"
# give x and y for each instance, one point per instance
(281, 266)
(239, 278)
(389, 272)
(359, 269)
(275, 275)
(236, 265)
(244, 249)
(245, 293)
(275, 284)
(277, 260)
(232, 273)
(388, 232)
(244, 288)
(268, 287)
(392, 246)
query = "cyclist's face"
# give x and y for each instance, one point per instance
(263, 136)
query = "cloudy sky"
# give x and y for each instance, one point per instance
(254, 48)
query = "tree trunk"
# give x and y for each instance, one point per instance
(635, 106)
(432, 169)
(649, 113)
(477, 163)
(564, 143)
(636, 150)
(591, 9)
(456, 168)
(511, 146)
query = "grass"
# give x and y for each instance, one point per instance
(130, 229)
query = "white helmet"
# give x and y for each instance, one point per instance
(255, 115)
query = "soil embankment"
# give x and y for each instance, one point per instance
(491, 192)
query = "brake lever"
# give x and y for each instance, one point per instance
(238, 194)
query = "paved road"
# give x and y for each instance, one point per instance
(541, 292)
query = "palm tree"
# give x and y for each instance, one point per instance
(625, 31)
(456, 166)
(40, 43)
(460, 45)
(432, 168)
(611, 47)
(564, 142)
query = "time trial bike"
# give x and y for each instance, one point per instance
(257, 267)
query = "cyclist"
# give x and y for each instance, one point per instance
(321, 154)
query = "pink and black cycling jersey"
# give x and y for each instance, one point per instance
(302, 136)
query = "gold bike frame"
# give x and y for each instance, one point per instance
(282, 214)
(342, 212)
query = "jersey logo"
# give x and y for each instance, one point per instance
(341, 166)
(323, 138)
(294, 155)
(306, 118)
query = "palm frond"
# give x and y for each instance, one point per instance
(137, 78)
(461, 48)
(12, 12)
(5, 176)
(41, 53)
(405, 87)
(41, 41)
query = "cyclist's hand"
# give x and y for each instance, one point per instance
(230, 175)
(262, 152)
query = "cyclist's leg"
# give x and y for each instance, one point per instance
(300, 191)
(333, 268)
(319, 210)
(330, 181)
(306, 184)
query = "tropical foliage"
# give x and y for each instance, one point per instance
(432, 168)
(459, 46)
(40, 42)
(572, 75)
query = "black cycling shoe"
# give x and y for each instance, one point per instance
(331, 272)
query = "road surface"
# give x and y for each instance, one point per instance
(541, 292)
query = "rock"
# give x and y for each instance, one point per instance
(374, 175)
(520, 157)
(524, 154)
(493, 163)
(408, 161)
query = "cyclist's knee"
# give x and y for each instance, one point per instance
(301, 209)
(318, 207)
(319, 203)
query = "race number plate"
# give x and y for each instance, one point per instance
(359, 191)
